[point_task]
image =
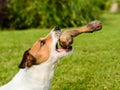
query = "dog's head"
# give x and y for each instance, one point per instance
(45, 50)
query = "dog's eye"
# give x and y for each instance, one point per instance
(42, 42)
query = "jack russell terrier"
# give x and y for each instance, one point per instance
(38, 63)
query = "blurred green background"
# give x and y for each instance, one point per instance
(95, 61)
(25, 14)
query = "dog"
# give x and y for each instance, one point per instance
(38, 64)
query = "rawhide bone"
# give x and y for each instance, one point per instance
(66, 38)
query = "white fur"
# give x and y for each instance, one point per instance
(37, 77)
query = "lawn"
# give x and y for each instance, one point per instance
(93, 65)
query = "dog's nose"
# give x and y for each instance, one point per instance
(57, 29)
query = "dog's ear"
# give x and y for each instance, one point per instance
(27, 61)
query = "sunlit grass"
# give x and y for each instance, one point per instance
(93, 65)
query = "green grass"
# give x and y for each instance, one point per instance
(93, 65)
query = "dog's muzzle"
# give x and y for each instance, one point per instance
(61, 49)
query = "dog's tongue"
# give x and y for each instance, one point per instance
(61, 50)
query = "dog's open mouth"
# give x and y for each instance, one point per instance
(61, 49)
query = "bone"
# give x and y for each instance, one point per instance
(66, 38)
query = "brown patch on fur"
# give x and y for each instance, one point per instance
(28, 60)
(39, 53)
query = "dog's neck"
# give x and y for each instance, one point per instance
(39, 76)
